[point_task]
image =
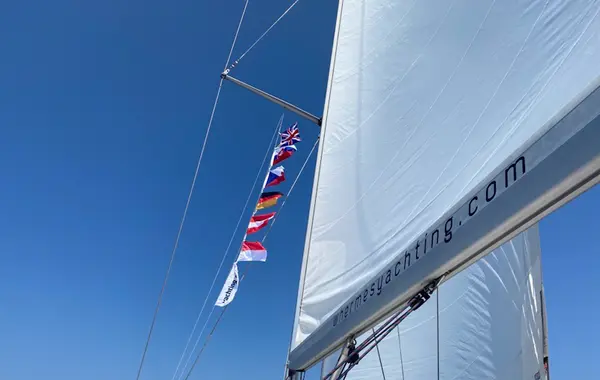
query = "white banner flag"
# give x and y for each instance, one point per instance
(229, 288)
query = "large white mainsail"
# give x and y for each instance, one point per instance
(448, 128)
(486, 324)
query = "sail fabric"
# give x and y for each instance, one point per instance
(490, 324)
(426, 101)
(330, 362)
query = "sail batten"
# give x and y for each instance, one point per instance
(448, 130)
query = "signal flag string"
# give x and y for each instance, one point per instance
(220, 317)
(227, 67)
(189, 198)
(258, 176)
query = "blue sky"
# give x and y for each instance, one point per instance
(103, 108)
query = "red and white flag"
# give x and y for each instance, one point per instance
(257, 222)
(252, 251)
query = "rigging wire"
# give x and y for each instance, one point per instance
(437, 317)
(262, 36)
(355, 355)
(291, 189)
(227, 67)
(380, 335)
(379, 357)
(258, 175)
(278, 129)
(220, 317)
(400, 351)
(189, 198)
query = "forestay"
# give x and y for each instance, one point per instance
(447, 127)
(488, 320)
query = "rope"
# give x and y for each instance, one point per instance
(206, 341)
(187, 205)
(209, 336)
(262, 36)
(378, 335)
(237, 32)
(258, 175)
(400, 351)
(437, 306)
(379, 356)
(381, 334)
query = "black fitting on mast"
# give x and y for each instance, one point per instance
(418, 300)
(294, 375)
(353, 354)
(421, 297)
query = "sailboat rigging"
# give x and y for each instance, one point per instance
(449, 131)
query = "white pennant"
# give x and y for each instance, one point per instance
(229, 288)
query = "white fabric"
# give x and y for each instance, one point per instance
(428, 98)
(229, 288)
(253, 255)
(489, 324)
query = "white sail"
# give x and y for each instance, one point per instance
(488, 319)
(448, 125)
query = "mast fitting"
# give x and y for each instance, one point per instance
(421, 297)
(353, 354)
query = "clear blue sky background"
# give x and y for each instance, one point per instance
(103, 107)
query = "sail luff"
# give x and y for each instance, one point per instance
(316, 179)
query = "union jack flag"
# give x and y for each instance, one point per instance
(290, 136)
